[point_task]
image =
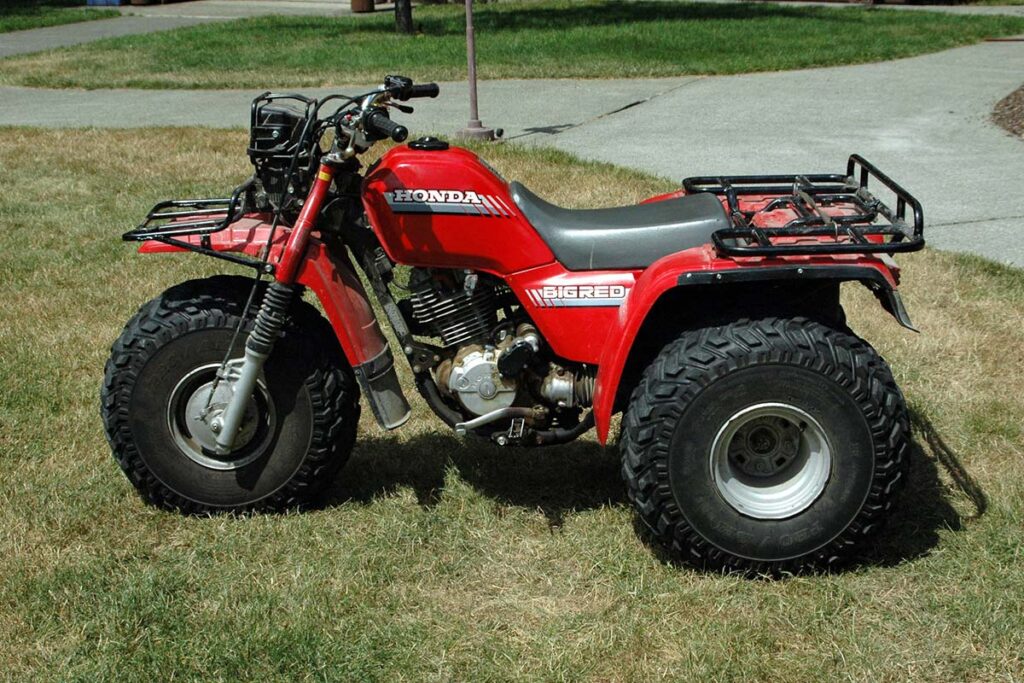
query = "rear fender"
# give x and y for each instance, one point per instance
(701, 270)
(333, 279)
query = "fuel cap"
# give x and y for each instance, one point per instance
(429, 144)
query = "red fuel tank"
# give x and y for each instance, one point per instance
(446, 208)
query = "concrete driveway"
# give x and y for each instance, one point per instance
(924, 120)
(151, 18)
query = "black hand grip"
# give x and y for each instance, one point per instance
(377, 122)
(424, 90)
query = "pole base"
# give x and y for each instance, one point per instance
(476, 131)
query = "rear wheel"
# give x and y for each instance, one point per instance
(765, 446)
(299, 426)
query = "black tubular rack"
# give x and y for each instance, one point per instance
(809, 197)
(179, 217)
(171, 220)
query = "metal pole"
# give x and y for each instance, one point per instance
(474, 114)
(474, 129)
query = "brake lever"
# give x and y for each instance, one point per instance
(404, 108)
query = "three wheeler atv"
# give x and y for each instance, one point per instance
(760, 434)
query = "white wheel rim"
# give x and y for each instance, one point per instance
(771, 461)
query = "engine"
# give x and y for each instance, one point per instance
(456, 307)
(493, 355)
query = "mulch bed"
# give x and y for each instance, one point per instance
(1009, 113)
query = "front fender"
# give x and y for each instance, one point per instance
(333, 279)
(701, 266)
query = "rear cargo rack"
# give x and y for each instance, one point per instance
(782, 215)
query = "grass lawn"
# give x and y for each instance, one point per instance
(441, 559)
(549, 39)
(18, 15)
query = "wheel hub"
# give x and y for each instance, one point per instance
(771, 461)
(192, 413)
(764, 446)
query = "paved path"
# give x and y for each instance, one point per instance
(236, 9)
(925, 120)
(992, 10)
(150, 18)
(37, 39)
(528, 108)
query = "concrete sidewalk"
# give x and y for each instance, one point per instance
(924, 120)
(38, 39)
(239, 9)
(525, 108)
(990, 10)
(142, 19)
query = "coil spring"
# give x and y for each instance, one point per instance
(271, 319)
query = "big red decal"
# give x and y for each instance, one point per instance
(555, 296)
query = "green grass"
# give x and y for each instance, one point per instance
(550, 39)
(18, 15)
(439, 559)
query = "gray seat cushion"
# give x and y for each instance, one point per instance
(624, 237)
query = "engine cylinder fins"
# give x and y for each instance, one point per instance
(456, 316)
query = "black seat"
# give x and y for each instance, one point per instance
(624, 237)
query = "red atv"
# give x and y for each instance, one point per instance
(759, 432)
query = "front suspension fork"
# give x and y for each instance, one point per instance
(272, 316)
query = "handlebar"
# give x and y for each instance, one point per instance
(402, 89)
(424, 90)
(367, 120)
(378, 123)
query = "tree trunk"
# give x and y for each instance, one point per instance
(403, 16)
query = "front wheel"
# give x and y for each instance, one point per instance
(299, 426)
(765, 446)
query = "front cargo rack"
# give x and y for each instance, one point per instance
(171, 220)
(180, 217)
(784, 215)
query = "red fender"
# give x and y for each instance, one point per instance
(331, 277)
(702, 265)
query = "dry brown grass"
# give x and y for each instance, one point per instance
(438, 559)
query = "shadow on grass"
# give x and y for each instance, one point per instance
(925, 506)
(582, 476)
(619, 13)
(556, 481)
(491, 20)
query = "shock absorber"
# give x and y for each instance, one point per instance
(273, 314)
(270, 320)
